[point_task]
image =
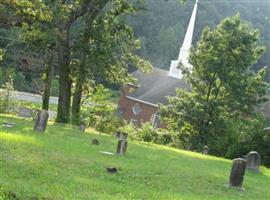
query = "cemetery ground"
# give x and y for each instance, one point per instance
(62, 163)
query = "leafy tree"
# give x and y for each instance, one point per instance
(223, 85)
(107, 49)
(55, 27)
(96, 109)
(32, 18)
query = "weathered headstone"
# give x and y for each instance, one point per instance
(41, 121)
(121, 147)
(25, 112)
(82, 127)
(95, 142)
(205, 150)
(253, 161)
(237, 172)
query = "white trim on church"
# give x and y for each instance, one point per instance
(184, 50)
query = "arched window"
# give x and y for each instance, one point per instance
(136, 109)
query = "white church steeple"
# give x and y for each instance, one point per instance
(184, 51)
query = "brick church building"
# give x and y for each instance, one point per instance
(139, 103)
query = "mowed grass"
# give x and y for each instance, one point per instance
(62, 164)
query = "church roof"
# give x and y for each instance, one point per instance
(154, 87)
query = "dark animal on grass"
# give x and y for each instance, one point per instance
(111, 170)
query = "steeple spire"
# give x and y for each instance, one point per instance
(184, 50)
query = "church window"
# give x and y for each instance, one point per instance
(136, 109)
(156, 120)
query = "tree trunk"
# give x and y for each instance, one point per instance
(48, 83)
(77, 96)
(63, 110)
(76, 104)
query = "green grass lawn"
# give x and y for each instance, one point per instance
(62, 164)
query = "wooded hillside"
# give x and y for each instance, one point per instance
(161, 25)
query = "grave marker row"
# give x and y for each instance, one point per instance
(252, 162)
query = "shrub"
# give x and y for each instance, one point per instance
(97, 111)
(131, 130)
(107, 124)
(7, 104)
(148, 133)
(249, 135)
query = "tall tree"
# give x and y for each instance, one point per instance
(223, 86)
(56, 21)
(105, 51)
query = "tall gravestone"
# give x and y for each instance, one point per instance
(253, 161)
(41, 121)
(122, 143)
(121, 147)
(238, 172)
(82, 127)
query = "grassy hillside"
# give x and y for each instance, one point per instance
(62, 164)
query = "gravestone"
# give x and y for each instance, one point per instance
(95, 142)
(121, 147)
(238, 172)
(25, 112)
(82, 127)
(253, 161)
(41, 121)
(205, 150)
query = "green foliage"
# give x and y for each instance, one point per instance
(223, 87)
(98, 111)
(7, 104)
(131, 130)
(148, 133)
(248, 134)
(91, 40)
